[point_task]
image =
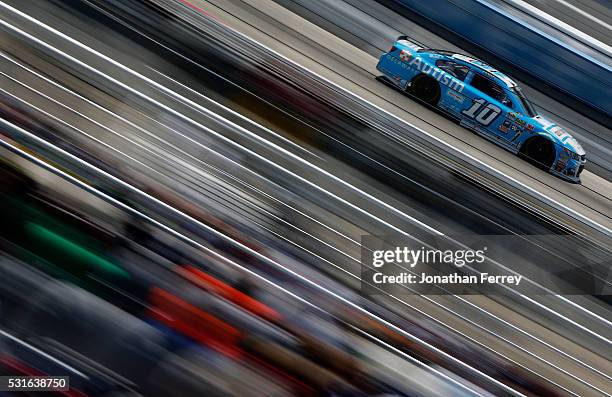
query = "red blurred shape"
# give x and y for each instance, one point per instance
(228, 292)
(193, 322)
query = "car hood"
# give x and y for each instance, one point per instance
(560, 134)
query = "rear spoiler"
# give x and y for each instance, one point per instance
(408, 38)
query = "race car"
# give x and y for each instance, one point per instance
(484, 100)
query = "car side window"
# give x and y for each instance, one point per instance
(459, 71)
(490, 88)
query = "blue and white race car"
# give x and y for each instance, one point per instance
(483, 100)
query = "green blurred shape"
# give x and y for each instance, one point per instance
(69, 255)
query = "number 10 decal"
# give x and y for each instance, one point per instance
(484, 115)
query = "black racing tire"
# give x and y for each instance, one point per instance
(426, 89)
(539, 151)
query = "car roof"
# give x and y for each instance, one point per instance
(477, 63)
(488, 69)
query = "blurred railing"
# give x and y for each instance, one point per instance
(48, 154)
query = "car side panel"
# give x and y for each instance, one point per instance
(396, 66)
(491, 119)
(405, 63)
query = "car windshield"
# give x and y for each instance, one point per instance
(526, 104)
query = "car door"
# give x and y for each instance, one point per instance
(452, 99)
(490, 109)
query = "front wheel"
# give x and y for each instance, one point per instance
(426, 89)
(540, 152)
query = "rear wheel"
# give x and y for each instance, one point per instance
(426, 89)
(539, 151)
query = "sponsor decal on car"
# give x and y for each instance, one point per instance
(405, 56)
(561, 164)
(565, 154)
(431, 71)
(503, 127)
(530, 127)
(516, 117)
(558, 131)
(437, 74)
(511, 124)
(457, 97)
